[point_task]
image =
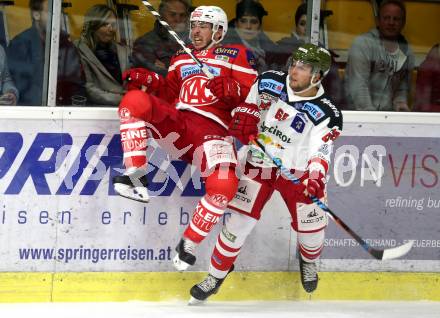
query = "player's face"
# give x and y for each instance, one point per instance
(106, 33)
(248, 27)
(300, 75)
(176, 16)
(201, 34)
(390, 21)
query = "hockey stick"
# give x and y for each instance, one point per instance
(380, 254)
(202, 66)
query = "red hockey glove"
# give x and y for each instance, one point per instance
(244, 122)
(138, 77)
(316, 184)
(226, 89)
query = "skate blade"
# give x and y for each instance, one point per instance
(137, 193)
(179, 264)
(195, 302)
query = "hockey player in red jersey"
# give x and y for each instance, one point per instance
(198, 109)
(297, 123)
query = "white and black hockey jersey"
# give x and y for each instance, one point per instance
(297, 130)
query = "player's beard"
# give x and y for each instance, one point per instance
(298, 87)
(301, 88)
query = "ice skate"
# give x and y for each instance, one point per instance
(309, 275)
(185, 254)
(209, 286)
(132, 185)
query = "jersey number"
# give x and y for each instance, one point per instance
(281, 115)
(331, 135)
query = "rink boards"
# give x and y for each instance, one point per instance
(66, 236)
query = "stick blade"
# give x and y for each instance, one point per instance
(396, 252)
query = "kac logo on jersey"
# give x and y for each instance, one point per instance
(271, 85)
(194, 92)
(298, 124)
(313, 110)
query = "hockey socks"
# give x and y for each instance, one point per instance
(310, 245)
(229, 243)
(134, 143)
(223, 256)
(207, 213)
(132, 184)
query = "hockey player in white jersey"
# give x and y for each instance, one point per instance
(297, 123)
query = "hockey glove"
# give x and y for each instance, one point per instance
(140, 77)
(316, 184)
(244, 122)
(226, 89)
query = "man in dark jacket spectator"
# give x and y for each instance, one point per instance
(26, 61)
(154, 49)
(380, 62)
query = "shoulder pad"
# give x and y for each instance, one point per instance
(272, 83)
(275, 73)
(322, 108)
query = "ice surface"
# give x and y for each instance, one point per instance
(291, 309)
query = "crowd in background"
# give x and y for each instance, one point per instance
(377, 74)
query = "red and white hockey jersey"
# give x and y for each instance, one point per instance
(186, 83)
(299, 131)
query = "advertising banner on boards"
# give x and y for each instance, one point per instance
(387, 188)
(58, 210)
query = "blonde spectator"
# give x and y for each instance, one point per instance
(102, 57)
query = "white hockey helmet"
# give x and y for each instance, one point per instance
(214, 15)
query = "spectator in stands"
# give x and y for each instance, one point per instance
(380, 63)
(102, 57)
(26, 61)
(428, 83)
(231, 23)
(289, 44)
(154, 49)
(247, 30)
(8, 91)
(332, 82)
